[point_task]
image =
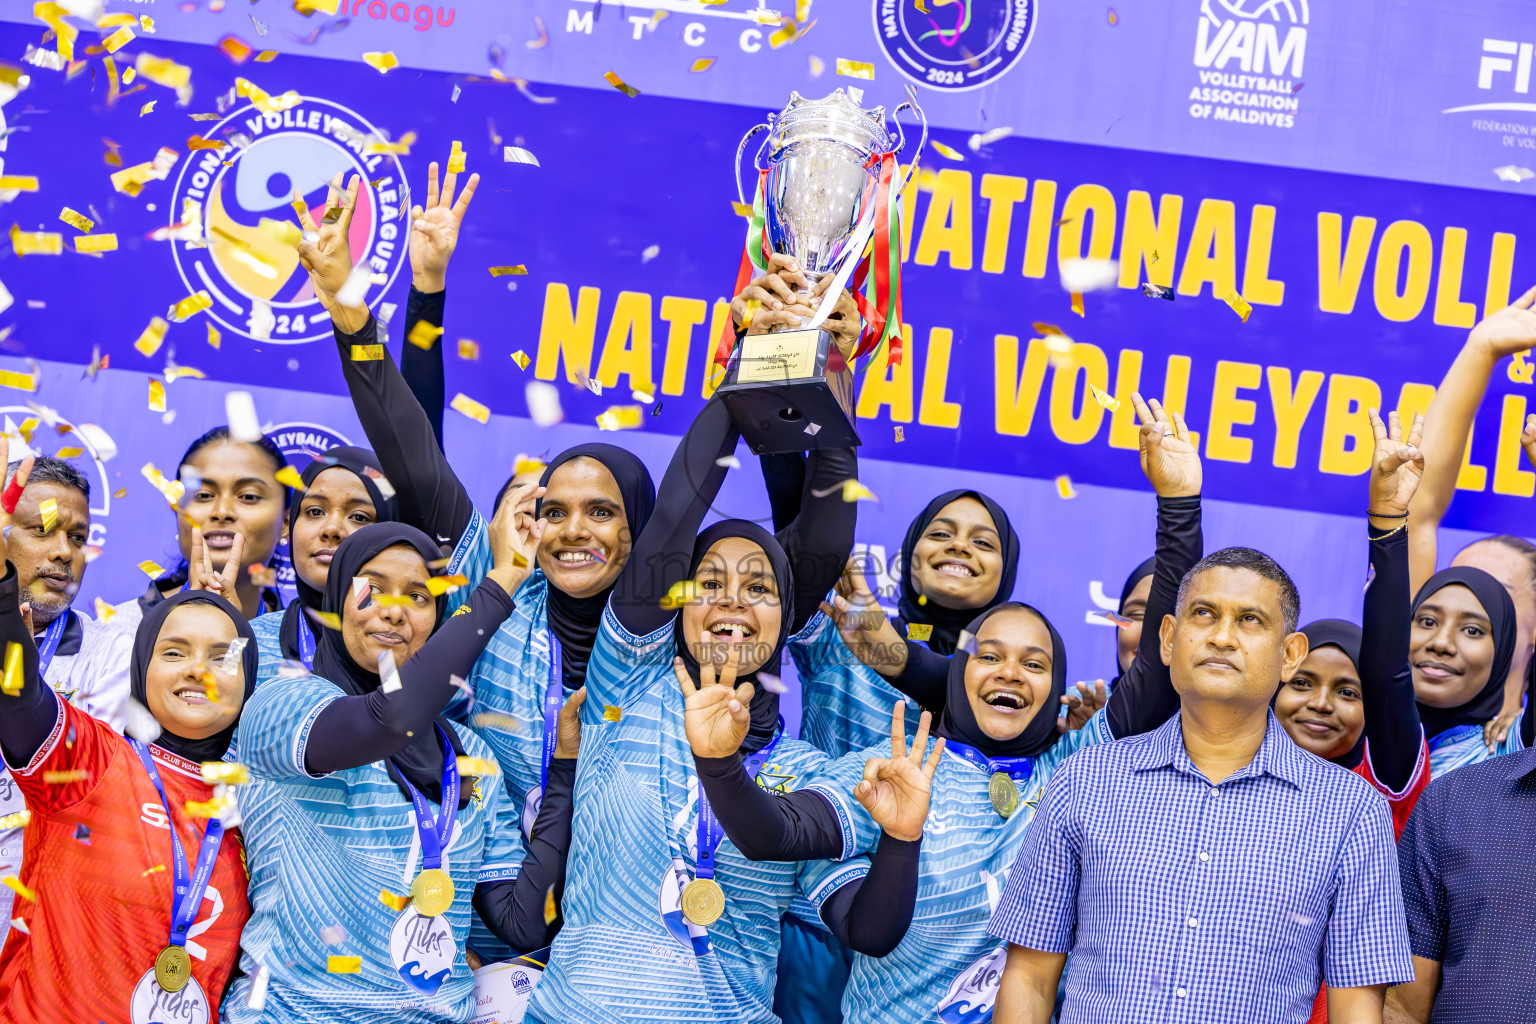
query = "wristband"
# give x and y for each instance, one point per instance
(1383, 515)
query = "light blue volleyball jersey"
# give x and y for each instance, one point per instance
(947, 967)
(626, 953)
(846, 705)
(1463, 745)
(269, 647)
(321, 849)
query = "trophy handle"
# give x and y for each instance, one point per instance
(742, 148)
(901, 135)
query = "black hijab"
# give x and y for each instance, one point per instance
(213, 747)
(958, 720)
(1138, 574)
(575, 620)
(765, 703)
(1346, 637)
(948, 622)
(421, 760)
(357, 461)
(1496, 601)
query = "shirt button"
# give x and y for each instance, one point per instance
(1181, 993)
(1204, 855)
(1194, 922)
(1215, 791)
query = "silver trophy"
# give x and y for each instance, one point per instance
(792, 390)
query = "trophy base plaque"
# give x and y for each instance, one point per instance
(790, 392)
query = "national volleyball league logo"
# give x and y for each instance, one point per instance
(954, 45)
(259, 289)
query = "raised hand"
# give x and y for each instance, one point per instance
(1508, 330)
(1168, 455)
(514, 537)
(568, 728)
(12, 492)
(1396, 466)
(324, 250)
(843, 321)
(778, 303)
(895, 790)
(435, 229)
(1082, 705)
(201, 574)
(717, 712)
(856, 613)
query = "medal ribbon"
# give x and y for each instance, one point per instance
(1019, 769)
(1453, 734)
(435, 832)
(187, 894)
(306, 638)
(51, 638)
(554, 701)
(710, 832)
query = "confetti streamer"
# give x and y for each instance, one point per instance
(266, 56)
(392, 901)
(156, 396)
(1157, 291)
(152, 337)
(621, 417)
(36, 243)
(543, 403)
(550, 910)
(1239, 305)
(344, 964)
(469, 349)
(367, 353)
(986, 138)
(456, 158)
(855, 69)
(479, 766)
(611, 713)
(438, 585)
(919, 631)
(49, 510)
(73, 218)
(424, 335)
(518, 155)
(289, 477)
(619, 84)
(1077, 303)
(240, 414)
(19, 381)
(389, 674)
(702, 64)
(96, 243)
(518, 271)
(189, 307)
(69, 453)
(945, 151)
(521, 359)
(1105, 399)
(1086, 275)
(471, 408)
(14, 679)
(18, 887)
(17, 820)
(214, 337)
(1064, 488)
(382, 62)
(231, 662)
(680, 594)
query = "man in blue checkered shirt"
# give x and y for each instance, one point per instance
(1209, 871)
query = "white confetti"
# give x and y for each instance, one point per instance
(240, 414)
(1509, 172)
(772, 683)
(352, 293)
(257, 1000)
(543, 403)
(389, 675)
(650, 253)
(261, 321)
(139, 723)
(97, 440)
(729, 462)
(518, 155)
(987, 137)
(1079, 275)
(232, 655)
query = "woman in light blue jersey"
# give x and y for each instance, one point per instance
(372, 823)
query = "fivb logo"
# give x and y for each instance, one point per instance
(1247, 33)
(1506, 57)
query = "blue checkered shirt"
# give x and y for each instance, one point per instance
(1183, 901)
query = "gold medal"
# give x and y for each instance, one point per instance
(432, 892)
(173, 968)
(703, 901)
(1004, 792)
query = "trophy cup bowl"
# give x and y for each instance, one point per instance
(792, 390)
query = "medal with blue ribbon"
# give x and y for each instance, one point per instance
(1006, 773)
(432, 889)
(703, 901)
(52, 637)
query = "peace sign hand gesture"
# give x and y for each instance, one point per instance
(716, 714)
(1168, 454)
(435, 229)
(326, 253)
(895, 790)
(200, 572)
(1396, 466)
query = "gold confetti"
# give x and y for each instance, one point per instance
(214, 808)
(619, 84)
(114, 20)
(855, 491)
(120, 493)
(147, 108)
(702, 64)
(147, 23)
(517, 271)
(1105, 399)
(190, 307)
(401, 147)
(119, 39)
(471, 408)
(152, 337)
(680, 594)
(19, 381)
(657, 17)
(18, 820)
(477, 766)
(469, 349)
(392, 901)
(172, 490)
(1153, 260)
(382, 62)
(198, 142)
(60, 778)
(855, 69)
(456, 159)
(14, 678)
(227, 772)
(367, 353)
(945, 151)
(521, 359)
(526, 465)
(784, 36)
(424, 335)
(330, 620)
(289, 477)
(266, 56)
(69, 453)
(550, 911)
(438, 585)
(1064, 487)
(496, 720)
(1239, 305)
(214, 337)
(344, 964)
(1077, 303)
(16, 885)
(611, 713)
(901, 434)
(919, 631)
(36, 243)
(27, 426)
(18, 183)
(150, 871)
(150, 569)
(742, 209)
(156, 396)
(96, 243)
(49, 510)
(621, 417)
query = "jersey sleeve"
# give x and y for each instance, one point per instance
(1403, 803)
(71, 762)
(819, 879)
(471, 559)
(847, 704)
(834, 783)
(276, 724)
(623, 666)
(504, 846)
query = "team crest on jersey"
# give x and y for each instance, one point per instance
(252, 273)
(776, 778)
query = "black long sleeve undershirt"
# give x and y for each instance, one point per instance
(361, 729)
(515, 910)
(27, 719)
(820, 538)
(423, 367)
(1392, 727)
(402, 435)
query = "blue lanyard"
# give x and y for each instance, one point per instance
(710, 832)
(437, 831)
(554, 701)
(187, 894)
(1453, 734)
(51, 638)
(306, 642)
(1019, 769)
